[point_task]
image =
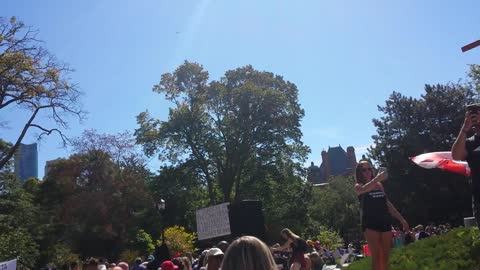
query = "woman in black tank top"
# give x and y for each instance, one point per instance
(376, 214)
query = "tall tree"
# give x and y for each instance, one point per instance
(33, 81)
(95, 202)
(411, 126)
(246, 119)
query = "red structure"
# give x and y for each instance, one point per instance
(471, 46)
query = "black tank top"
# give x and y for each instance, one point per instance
(373, 206)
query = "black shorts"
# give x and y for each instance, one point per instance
(378, 225)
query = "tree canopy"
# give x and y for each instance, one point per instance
(225, 128)
(33, 81)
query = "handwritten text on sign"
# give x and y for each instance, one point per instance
(213, 221)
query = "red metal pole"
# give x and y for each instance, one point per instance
(471, 46)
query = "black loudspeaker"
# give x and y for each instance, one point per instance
(246, 218)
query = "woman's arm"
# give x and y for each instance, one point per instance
(284, 247)
(360, 189)
(394, 212)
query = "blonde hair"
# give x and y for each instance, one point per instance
(289, 234)
(248, 253)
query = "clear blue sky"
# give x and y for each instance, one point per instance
(346, 57)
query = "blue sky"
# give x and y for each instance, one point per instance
(345, 57)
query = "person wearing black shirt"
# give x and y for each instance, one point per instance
(468, 148)
(376, 214)
(298, 247)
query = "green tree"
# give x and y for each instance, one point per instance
(95, 202)
(336, 206)
(33, 81)
(18, 243)
(412, 126)
(143, 242)
(20, 227)
(225, 128)
(183, 193)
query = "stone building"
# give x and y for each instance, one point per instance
(336, 161)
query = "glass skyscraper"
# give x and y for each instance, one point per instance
(26, 161)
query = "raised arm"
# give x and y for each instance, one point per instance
(373, 184)
(284, 247)
(459, 150)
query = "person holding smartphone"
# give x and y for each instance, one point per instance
(468, 148)
(376, 213)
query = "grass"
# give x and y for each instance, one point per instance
(457, 249)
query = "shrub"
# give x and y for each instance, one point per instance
(143, 243)
(179, 241)
(458, 249)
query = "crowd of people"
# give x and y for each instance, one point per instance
(249, 252)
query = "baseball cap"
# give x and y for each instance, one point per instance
(168, 265)
(214, 252)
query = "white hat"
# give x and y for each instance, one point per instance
(214, 252)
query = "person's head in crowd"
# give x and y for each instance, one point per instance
(102, 261)
(287, 234)
(179, 263)
(222, 245)
(74, 266)
(363, 172)
(214, 258)
(317, 245)
(202, 259)
(150, 258)
(123, 265)
(101, 267)
(112, 265)
(91, 264)
(138, 261)
(248, 253)
(189, 256)
(419, 228)
(187, 264)
(168, 265)
(315, 258)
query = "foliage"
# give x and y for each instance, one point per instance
(458, 249)
(94, 201)
(336, 206)
(179, 241)
(61, 255)
(18, 243)
(143, 242)
(225, 128)
(329, 239)
(183, 194)
(120, 147)
(128, 256)
(411, 126)
(33, 81)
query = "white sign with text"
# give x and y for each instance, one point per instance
(213, 221)
(8, 265)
